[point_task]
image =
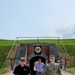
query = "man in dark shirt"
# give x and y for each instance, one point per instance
(22, 69)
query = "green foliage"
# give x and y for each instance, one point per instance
(3, 54)
(3, 70)
(72, 71)
(6, 42)
(71, 49)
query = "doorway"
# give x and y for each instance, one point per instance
(33, 62)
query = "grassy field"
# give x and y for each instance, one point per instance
(3, 53)
(65, 41)
(69, 44)
(72, 71)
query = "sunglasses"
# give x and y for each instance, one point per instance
(22, 60)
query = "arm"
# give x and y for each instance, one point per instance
(28, 70)
(36, 66)
(46, 70)
(59, 70)
(15, 71)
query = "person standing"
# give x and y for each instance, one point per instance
(21, 69)
(39, 67)
(46, 63)
(52, 68)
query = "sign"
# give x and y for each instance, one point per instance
(37, 50)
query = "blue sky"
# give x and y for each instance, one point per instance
(32, 18)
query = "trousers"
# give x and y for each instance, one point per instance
(39, 73)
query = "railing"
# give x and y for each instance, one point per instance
(65, 49)
(26, 56)
(11, 48)
(37, 38)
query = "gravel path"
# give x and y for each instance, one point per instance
(63, 72)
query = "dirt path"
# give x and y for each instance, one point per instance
(63, 72)
(9, 73)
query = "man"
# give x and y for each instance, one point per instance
(52, 68)
(22, 69)
(59, 64)
(46, 63)
(39, 67)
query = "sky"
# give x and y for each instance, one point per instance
(37, 18)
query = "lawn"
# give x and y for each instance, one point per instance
(4, 49)
(69, 44)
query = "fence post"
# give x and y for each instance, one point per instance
(65, 64)
(11, 63)
(17, 40)
(58, 39)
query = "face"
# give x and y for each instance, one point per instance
(58, 61)
(46, 62)
(22, 62)
(52, 59)
(39, 60)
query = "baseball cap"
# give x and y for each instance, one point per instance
(46, 60)
(22, 58)
(52, 56)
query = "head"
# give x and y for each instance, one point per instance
(39, 60)
(58, 62)
(46, 61)
(22, 61)
(52, 59)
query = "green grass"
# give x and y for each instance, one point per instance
(65, 41)
(3, 70)
(5, 46)
(3, 54)
(6, 42)
(72, 71)
(70, 49)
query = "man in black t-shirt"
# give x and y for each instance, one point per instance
(22, 69)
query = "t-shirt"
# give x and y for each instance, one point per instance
(39, 67)
(44, 65)
(19, 70)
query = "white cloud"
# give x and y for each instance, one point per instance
(68, 32)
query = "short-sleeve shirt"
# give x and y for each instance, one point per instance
(45, 65)
(39, 67)
(21, 70)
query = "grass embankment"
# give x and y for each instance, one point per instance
(69, 44)
(5, 46)
(3, 70)
(3, 54)
(72, 71)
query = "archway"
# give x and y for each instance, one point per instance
(33, 58)
(32, 63)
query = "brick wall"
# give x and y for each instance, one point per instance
(30, 50)
(45, 50)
